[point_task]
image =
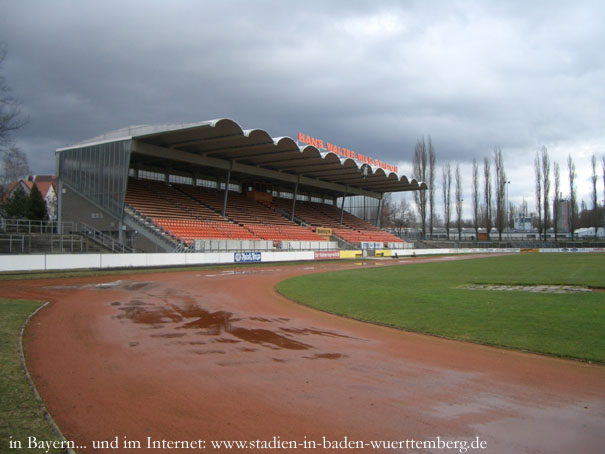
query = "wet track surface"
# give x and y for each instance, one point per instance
(219, 355)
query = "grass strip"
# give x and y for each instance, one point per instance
(21, 415)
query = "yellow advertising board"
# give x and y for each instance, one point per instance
(350, 254)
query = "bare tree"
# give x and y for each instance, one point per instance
(388, 208)
(459, 201)
(555, 207)
(595, 200)
(431, 170)
(420, 174)
(447, 198)
(10, 111)
(403, 217)
(500, 187)
(545, 189)
(573, 201)
(524, 210)
(538, 171)
(476, 197)
(487, 195)
(513, 211)
(14, 165)
(603, 167)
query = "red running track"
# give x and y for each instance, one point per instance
(219, 355)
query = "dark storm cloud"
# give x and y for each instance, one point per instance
(372, 76)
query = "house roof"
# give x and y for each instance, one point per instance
(43, 182)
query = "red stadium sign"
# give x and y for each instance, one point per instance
(341, 151)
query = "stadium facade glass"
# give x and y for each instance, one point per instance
(98, 172)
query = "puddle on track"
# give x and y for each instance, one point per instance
(119, 284)
(222, 325)
(326, 356)
(312, 331)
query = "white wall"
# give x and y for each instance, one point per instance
(410, 252)
(108, 261)
(42, 262)
(22, 262)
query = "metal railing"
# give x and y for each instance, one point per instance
(16, 243)
(26, 236)
(103, 239)
(28, 226)
(484, 244)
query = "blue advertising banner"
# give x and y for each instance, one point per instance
(244, 257)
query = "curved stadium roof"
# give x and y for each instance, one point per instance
(220, 145)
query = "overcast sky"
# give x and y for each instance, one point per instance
(372, 76)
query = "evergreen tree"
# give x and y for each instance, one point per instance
(18, 205)
(37, 206)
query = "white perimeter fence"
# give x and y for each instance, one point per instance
(52, 262)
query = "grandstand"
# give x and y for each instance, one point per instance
(161, 188)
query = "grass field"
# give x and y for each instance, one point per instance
(20, 414)
(430, 298)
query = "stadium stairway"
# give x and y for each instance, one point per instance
(145, 227)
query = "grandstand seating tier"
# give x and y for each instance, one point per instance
(195, 212)
(190, 213)
(352, 229)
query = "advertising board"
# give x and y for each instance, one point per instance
(247, 257)
(327, 255)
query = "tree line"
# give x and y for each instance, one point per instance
(485, 213)
(577, 217)
(490, 207)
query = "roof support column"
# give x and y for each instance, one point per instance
(294, 199)
(227, 190)
(379, 214)
(342, 205)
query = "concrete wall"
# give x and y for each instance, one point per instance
(41, 262)
(75, 208)
(232, 245)
(144, 244)
(416, 252)
(309, 245)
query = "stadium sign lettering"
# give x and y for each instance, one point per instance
(244, 257)
(341, 151)
(327, 255)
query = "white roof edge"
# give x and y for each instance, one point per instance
(134, 131)
(91, 144)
